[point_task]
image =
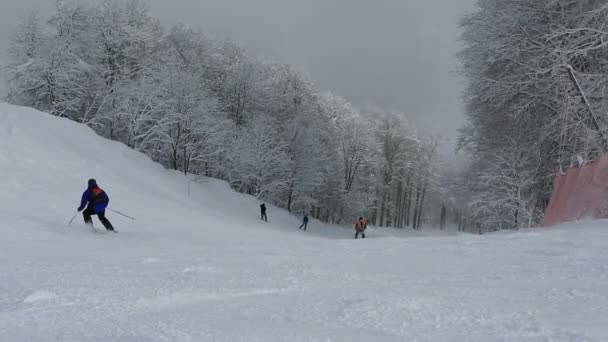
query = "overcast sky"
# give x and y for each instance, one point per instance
(397, 54)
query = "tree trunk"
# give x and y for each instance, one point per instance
(406, 199)
(374, 211)
(442, 217)
(174, 154)
(390, 211)
(408, 210)
(289, 200)
(397, 217)
(382, 211)
(415, 217)
(421, 205)
(402, 222)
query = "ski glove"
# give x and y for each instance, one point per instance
(80, 209)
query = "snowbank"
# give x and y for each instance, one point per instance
(203, 267)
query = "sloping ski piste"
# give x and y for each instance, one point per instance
(46, 161)
(204, 268)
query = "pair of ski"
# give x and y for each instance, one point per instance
(102, 231)
(95, 230)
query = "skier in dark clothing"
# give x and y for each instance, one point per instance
(263, 212)
(96, 201)
(304, 222)
(360, 227)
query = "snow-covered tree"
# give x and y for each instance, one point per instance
(205, 106)
(537, 74)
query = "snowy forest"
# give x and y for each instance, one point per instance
(536, 103)
(206, 107)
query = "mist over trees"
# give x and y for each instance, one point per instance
(536, 104)
(204, 106)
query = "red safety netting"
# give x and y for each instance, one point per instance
(581, 193)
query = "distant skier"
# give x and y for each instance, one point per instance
(304, 222)
(263, 212)
(96, 201)
(360, 227)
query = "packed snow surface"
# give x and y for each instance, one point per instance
(199, 265)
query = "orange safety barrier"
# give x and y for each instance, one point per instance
(581, 193)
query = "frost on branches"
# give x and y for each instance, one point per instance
(536, 79)
(205, 107)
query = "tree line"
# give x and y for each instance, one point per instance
(536, 104)
(204, 106)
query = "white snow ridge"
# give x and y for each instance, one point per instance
(200, 266)
(39, 296)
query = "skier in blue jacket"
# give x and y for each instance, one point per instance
(96, 201)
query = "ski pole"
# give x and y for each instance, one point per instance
(119, 213)
(69, 223)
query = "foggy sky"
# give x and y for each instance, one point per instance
(397, 54)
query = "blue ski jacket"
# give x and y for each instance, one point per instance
(96, 198)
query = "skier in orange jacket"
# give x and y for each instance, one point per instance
(360, 227)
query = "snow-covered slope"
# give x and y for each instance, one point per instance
(200, 266)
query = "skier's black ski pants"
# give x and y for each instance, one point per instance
(360, 232)
(88, 212)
